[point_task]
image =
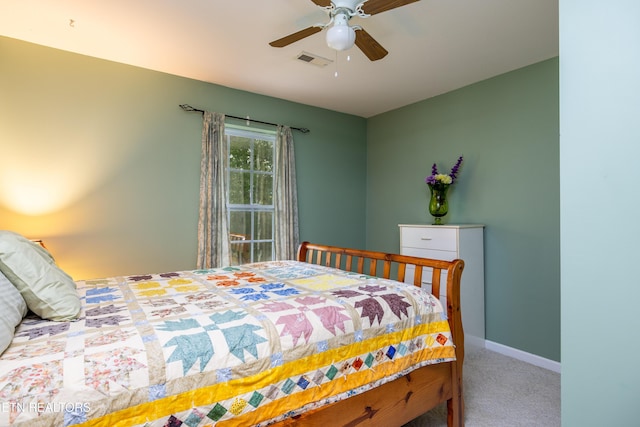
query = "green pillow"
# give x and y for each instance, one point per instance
(48, 291)
(12, 310)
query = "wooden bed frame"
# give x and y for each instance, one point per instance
(397, 402)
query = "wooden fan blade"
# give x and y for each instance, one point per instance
(322, 3)
(373, 7)
(369, 46)
(287, 40)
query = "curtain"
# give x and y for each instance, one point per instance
(285, 201)
(213, 228)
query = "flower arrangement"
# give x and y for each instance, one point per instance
(439, 184)
(440, 178)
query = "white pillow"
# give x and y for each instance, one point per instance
(48, 291)
(12, 310)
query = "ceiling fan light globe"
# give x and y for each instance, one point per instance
(341, 37)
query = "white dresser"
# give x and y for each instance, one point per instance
(448, 242)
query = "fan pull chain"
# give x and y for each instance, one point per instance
(335, 74)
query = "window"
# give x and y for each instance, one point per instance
(250, 194)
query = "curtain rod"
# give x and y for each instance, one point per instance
(187, 107)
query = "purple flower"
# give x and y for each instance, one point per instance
(454, 170)
(436, 178)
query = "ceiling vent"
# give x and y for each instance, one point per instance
(311, 58)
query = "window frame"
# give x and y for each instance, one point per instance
(252, 134)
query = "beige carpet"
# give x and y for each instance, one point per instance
(502, 391)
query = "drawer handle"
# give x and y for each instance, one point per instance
(426, 238)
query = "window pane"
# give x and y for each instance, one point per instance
(240, 225)
(239, 185)
(264, 225)
(263, 252)
(263, 189)
(240, 228)
(263, 156)
(240, 153)
(240, 252)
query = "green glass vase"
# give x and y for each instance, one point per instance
(438, 205)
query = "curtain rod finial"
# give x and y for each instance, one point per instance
(189, 108)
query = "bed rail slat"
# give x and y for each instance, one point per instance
(373, 267)
(417, 277)
(435, 281)
(402, 267)
(386, 271)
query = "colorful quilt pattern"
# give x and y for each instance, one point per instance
(246, 345)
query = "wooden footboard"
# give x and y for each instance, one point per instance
(399, 401)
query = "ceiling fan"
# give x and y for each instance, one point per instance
(341, 35)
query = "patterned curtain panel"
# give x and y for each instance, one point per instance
(213, 229)
(286, 237)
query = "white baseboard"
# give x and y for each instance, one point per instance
(533, 359)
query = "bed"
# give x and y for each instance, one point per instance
(329, 336)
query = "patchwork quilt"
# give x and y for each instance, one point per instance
(247, 345)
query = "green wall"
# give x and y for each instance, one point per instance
(121, 160)
(112, 162)
(507, 130)
(599, 147)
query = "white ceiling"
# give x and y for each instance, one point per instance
(435, 46)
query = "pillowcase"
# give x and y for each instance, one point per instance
(48, 291)
(12, 310)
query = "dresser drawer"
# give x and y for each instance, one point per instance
(429, 253)
(442, 239)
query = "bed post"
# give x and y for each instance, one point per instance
(302, 251)
(455, 405)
